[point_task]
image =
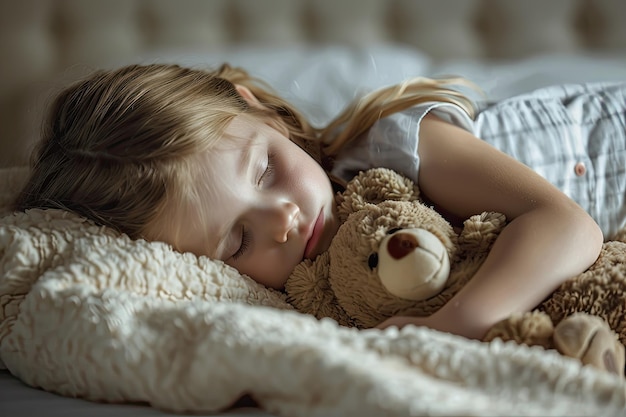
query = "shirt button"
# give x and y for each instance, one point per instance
(580, 169)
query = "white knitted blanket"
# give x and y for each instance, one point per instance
(89, 313)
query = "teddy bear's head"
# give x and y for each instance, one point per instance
(390, 252)
(392, 255)
(387, 256)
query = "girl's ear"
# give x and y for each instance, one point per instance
(248, 95)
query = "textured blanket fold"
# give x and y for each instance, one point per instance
(88, 312)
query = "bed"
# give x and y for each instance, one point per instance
(319, 55)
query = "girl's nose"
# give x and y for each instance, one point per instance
(282, 218)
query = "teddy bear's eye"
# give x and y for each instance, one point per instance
(372, 261)
(394, 230)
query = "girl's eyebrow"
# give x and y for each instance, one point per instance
(249, 151)
(245, 160)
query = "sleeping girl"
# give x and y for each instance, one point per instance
(215, 163)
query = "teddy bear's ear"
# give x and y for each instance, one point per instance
(372, 187)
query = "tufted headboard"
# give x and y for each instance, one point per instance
(40, 39)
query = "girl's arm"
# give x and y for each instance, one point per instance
(548, 240)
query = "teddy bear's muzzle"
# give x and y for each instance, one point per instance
(413, 264)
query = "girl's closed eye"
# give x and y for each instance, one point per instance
(246, 240)
(268, 173)
(264, 180)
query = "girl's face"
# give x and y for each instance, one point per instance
(267, 205)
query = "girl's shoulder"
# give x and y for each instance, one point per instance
(414, 115)
(392, 141)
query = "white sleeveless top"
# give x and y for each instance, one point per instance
(572, 135)
(392, 142)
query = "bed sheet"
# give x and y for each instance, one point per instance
(17, 399)
(321, 82)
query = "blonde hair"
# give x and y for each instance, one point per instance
(118, 144)
(117, 147)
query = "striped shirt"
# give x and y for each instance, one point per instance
(572, 135)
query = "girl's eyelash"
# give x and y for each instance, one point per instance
(246, 239)
(269, 170)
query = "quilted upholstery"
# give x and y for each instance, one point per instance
(41, 38)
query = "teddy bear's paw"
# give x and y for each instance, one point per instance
(533, 329)
(481, 230)
(591, 340)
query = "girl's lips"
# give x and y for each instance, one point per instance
(316, 234)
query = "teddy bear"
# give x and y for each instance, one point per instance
(395, 255)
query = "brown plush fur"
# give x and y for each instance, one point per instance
(343, 285)
(584, 318)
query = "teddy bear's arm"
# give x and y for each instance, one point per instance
(481, 230)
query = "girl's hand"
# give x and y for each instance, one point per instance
(401, 321)
(437, 321)
(433, 321)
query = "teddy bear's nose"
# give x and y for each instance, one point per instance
(401, 244)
